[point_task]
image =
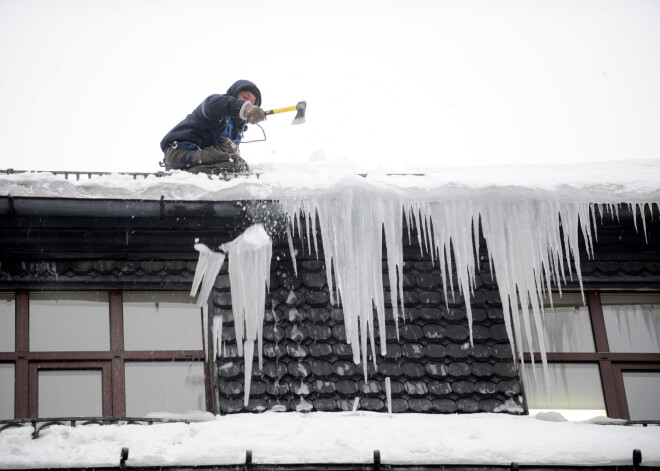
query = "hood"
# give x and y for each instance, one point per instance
(245, 85)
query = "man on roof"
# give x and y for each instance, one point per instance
(207, 139)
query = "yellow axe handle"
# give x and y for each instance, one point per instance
(282, 110)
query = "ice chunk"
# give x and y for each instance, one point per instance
(208, 267)
(249, 276)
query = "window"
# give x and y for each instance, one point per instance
(6, 390)
(69, 393)
(576, 391)
(91, 354)
(632, 322)
(61, 322)
(604, 358)
(145, 382)
(7, 310)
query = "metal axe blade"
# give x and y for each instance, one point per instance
(299, 108)
(300, 115)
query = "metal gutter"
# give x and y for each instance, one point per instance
(85, 207)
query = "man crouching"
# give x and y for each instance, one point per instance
(207, 140)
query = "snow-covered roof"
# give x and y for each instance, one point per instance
(607, 182)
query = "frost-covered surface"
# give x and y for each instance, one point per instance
(335, 438)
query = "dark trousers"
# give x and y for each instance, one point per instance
(222, 158)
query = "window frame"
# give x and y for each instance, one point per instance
(610, 364)
(111, 362)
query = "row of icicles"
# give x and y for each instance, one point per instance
(532, 247)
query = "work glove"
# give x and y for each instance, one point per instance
(252, 113)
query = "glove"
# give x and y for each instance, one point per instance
(252, 113)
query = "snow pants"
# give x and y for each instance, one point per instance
(223, 158)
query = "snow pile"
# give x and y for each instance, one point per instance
(347, 437)
(249, 272)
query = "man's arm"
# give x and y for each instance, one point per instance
(216, 107)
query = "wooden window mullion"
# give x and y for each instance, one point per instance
(607, 375)
(118, 396)
(597, 322)
(22, 347)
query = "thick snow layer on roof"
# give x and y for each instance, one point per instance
(607, 182)
(334, 438)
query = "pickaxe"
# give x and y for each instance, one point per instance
(300, 115)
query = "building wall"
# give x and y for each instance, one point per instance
(309, 366)
(307, 363)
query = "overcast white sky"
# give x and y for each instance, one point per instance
(398, 84)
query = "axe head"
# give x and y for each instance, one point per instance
(300, 115)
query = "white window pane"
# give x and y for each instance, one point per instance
(632, 322)
(575, 390)
(70, 393)
(69, 322)
(161, 321)
(153, 387)
(6, 391)
(7, 322)
(566, 326)
(642, 393)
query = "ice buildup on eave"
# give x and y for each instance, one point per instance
(249, 258)
(531, 219)
(532, 247)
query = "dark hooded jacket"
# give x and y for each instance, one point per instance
(207, 123)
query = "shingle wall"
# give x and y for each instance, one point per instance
(432, 367)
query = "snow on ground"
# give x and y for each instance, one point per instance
(347, 437)
(622, 181)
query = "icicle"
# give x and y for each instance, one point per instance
(292, 250)
(393, 228)
(218, 322)
(388, 394)
(643, 216)
(249, 276)
(532, 247)
(248, 348)
(208, 267)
